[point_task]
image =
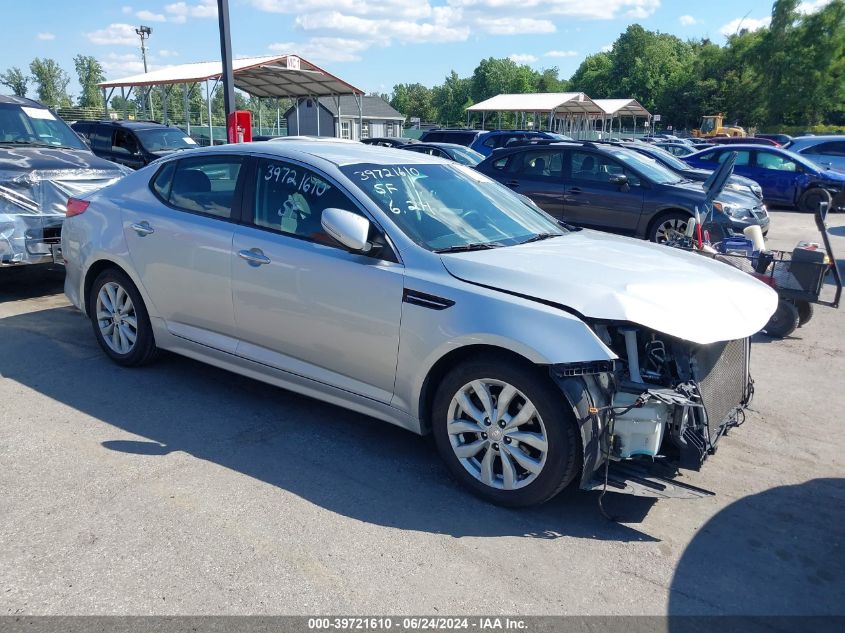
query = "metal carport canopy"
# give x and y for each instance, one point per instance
(622, 107)
(558, 102)
(268, 76)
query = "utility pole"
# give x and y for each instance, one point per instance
(227, 75)
(144, 32)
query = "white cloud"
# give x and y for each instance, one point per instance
(606, 48)
(437, 29)
(179, 12)
(687, 20)
(167, 53)
(126, 10)
(607, 10)
(522, 58)
(149, 16)
(118, 65)
(324, 49)
(114, 34)
(513, 26)
(560, 54)
(744, 24)
(45, 37)
(812, 6)
(395, 9)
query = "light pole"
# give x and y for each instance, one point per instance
(144, 32)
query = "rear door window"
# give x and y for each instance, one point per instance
(833, 148)
(765, 160)
(203, 185)
(543, 164)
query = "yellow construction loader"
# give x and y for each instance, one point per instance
(712, 125)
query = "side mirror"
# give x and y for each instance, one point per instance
(620, 180)
(350, 229)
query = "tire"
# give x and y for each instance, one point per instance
(666, 224)
(811, 199)
(783, 321)
(530, 462)
(805, 312)
(130, 319)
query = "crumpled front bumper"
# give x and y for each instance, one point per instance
(32, 210)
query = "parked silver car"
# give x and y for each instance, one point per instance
(825, 151)
(423, 293)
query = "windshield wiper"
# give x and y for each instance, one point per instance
(37, 144)
(472, 246)
(541, 236)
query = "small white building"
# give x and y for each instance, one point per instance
(377, 117)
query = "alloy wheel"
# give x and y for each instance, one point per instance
(497, 434)
(669, 230)
(116, 318)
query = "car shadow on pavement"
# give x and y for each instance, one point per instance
(28, 282)
(779, 552)
(340, 460)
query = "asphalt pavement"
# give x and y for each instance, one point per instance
(183, 489)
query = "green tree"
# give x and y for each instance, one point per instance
(90, 73)
(51, 82)
(593, 76)
(16, 81)
(413, 100)
(451, 99)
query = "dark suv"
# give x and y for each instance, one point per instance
(132, 143)
(484, 142)
(612, 188)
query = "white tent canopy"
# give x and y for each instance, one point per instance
(273, 76)
(268, 76)
(561, 102)
(622, 107)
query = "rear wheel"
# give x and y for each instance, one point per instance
(811, 199)
(120, 321)
(805, 312)
(783, 321)
(504, 432)
(669, 226)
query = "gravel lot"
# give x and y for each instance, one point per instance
(183, 489)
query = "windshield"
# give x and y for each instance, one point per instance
(160, 139)
(447, 206)
(646, 166)
(466, 156)
(25, 125)
(667, 158)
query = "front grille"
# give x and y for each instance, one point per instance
(721, 370)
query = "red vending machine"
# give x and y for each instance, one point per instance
(239, 126)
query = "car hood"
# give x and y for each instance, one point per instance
(26, 159)
(603, 276)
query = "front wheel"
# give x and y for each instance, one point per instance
(120, 321)
(811, 200)
(669, 227)
(783, 321)
(504, 432)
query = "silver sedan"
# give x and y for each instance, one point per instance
(420, 292)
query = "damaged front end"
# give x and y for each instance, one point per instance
(32, 210)
(661, 407)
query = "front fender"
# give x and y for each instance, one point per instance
(541, 334)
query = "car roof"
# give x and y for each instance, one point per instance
(22, 101)
(443, 145)
(812, 140)
(135, 125)
(337, 153)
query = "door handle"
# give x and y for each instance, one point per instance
(254, 257)
(575, 191)
(142, 228)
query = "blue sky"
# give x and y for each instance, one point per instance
(373, 44)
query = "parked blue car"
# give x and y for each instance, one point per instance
(484, 142)
(787, 178)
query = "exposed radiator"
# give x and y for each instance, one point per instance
(722, 372)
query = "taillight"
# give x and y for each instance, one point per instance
(75, 207)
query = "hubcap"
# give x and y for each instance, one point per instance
(116, 318)
(511, 452)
